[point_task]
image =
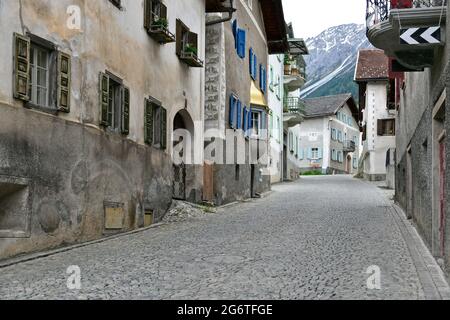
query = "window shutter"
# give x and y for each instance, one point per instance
(245, 120)
(255, 67)
(260, 76)
(105, 120)
(162, 11)
(320, 153)
(64, 82)
(148, 18)
(310, 153)
(179, 35)
(148, 122)
(239, 115)
(125, 111)
(21, 67)
(163, 128)
(232, 111)
(250, 123)
(251, 58)
(235, 33)
(242, 35)
(380, 127)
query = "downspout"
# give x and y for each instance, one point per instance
(230, 16)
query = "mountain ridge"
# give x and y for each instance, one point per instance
(332, 60)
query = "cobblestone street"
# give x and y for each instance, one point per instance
(311, 239)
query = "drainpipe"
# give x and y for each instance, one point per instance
(230, 16)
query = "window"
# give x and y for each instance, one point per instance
(115, 104)
(155, 124)
(42, 75)
(253, 64)
(262, 78)
(333, 155)
(355, 163)
(278, 85)
(333, 134)
(256, 122)
(315, 153)
(237, 172)
(39, 76)
(156, 22)
(271, 85)
(187, 45)
(386, 127)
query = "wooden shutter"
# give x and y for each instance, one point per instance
(241, 45)
(105, 120)
(260, 76)
(64, 68)
(21, 67)
(148, 122)
(235, 33)
(250, 58)
(239, 115)
(163, 128)
(162, 11)
(148, 17)
(245, 121)
(179, 35)
(125, 111)
(255, 67)
(232, 112)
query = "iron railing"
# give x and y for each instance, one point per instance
(349, 146)
(294, 105)
(379, 10)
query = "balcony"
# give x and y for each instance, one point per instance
(294, 76)
(293, 111)
(407, 30)
(161, 33)
(349, 146)
(191, 59)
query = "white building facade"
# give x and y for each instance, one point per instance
(329, 136)
(377, 114)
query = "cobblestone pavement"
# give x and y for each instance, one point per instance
(311, 239)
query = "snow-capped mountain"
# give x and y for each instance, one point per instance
(332, 60)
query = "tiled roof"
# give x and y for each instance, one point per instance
(372, 64)
(325, 106)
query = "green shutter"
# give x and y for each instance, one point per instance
(21, 67)
(148, 119)
(125, 110)
(163, 128)
(105, 120)
(64, 82)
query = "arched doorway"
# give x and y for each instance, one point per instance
(348, 164)
(182, 152)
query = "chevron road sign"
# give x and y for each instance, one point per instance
(426, 35)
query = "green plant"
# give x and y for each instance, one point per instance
(161, 22)
(312, 173)
(190, 49)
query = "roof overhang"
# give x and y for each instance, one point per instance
(219, 6)
(297, 47)
(275, 26)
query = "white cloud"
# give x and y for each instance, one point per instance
(311, 17)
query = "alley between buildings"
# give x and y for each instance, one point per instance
(315, 238)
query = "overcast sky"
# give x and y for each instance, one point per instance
(311, 17)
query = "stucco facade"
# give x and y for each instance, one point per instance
(64, 176)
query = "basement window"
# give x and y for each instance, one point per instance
(15, 207)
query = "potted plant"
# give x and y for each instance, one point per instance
(190, 49)
(161, 22)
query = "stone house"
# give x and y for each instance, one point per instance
(420, 49)
(329, 135)
(377, 112)
(92, 94)
(236, 108)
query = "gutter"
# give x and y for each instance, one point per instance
(231, 10)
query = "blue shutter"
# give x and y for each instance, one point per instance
(310, 153)
(241, 43)
(250, 124)
(320, 153)
(255, 67)
(232, 111)
(235, 33)
(251, 59)
(239, 115)
(260, 76)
